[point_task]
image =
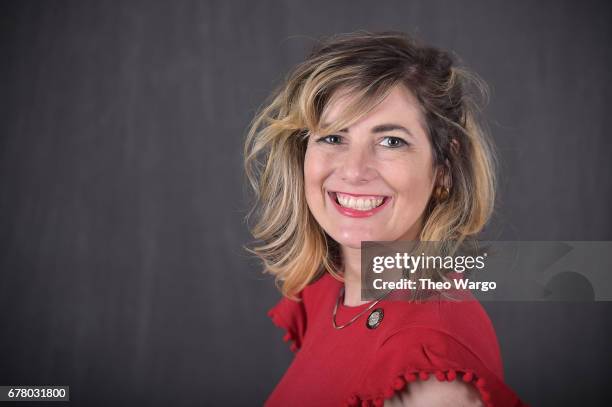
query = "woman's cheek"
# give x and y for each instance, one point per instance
(315, 168)
(313, 181)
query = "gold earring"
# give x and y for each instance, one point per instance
(441, 193)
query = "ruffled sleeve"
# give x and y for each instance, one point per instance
(290, 316)
(413, 354)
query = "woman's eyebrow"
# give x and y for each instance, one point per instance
(381, 128)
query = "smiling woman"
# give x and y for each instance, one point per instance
(385, 157)
(373, 137)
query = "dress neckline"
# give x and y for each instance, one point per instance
(351, 307)
(337, 287)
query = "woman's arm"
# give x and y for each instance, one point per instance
(434, 393)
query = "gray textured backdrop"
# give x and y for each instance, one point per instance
(122, 193)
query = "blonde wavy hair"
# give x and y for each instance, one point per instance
(366, 65)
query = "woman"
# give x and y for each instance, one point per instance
(373, 138)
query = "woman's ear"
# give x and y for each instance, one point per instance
(446, 179)
(439, 175)
(454, 146)
(443, 177)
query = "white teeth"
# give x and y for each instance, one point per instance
(361, 204)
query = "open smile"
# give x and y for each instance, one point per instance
(358, 205)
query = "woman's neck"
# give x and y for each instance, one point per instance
(352, 268)
(352, 276)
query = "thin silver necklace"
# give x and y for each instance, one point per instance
(341, 296)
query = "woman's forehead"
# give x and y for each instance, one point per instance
(398, 105)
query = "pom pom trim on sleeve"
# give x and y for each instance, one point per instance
(403, 379)
(289, 336)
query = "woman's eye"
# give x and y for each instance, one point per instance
(393, 142)
(331, 139)
(388, 141)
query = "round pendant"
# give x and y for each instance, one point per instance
(375, 318)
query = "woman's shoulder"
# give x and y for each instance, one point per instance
(465, 323)
(421, 353)
(291, 315)
(444, 340)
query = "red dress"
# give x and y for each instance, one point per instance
(358, 366)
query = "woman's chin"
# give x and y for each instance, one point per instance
(351, 244)
(354, 242)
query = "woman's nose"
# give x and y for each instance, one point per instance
(356, 165)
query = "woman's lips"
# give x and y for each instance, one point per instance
(356, 213)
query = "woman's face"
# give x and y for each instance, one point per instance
(371, 181)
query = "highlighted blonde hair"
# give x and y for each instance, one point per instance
(366, 66)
